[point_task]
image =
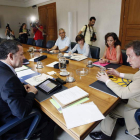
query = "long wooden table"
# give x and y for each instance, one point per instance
(103, 101)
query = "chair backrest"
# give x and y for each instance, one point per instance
(95, 52)
(30, 41)
(73, 44)
(39, 43)
(124, 57)
(50, 44)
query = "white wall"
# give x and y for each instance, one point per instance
(13, 16)
(107, 13)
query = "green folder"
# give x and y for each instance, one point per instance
(58, 107)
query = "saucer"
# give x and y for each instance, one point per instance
(64, 74)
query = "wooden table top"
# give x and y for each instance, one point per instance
(104, 102)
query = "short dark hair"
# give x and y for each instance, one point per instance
(115, 37)
(8, 46)
(79, 37)
(92, 18)
(135, 45)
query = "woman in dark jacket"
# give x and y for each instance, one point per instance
(23, 34)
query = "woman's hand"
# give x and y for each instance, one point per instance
(103, 60)
(102, 77)
(112, 71)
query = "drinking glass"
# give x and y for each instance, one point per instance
(70, 78)
(102, 70)
(62, 65)
(59, 55)
(39, 65)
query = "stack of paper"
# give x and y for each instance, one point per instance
(81, 114)
(52, 64)
(36, 80)
(25, 72)
(21, 68)
(78, 57)
(59, 108)
(69, 96)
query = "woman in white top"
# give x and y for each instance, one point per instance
(82, 48)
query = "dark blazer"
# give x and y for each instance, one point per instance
(14, 100)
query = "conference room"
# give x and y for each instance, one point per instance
(66, 71)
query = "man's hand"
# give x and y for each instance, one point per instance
(30, 88)
(112, 71)
(102, 77)
(48, 50)
(55, 51)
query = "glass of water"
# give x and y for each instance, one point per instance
(102, 70)
(62, 65)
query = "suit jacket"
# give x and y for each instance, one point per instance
(14, 100)
(131, 92)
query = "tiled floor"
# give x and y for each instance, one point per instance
(119, 134)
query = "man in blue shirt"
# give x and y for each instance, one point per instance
(63, 43)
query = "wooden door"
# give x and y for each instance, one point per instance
(47, 16)
(130, 21)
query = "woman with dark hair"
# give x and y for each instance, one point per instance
(81, 47)
(23, 33)
(112, 52)
(9, 33)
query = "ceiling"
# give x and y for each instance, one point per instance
(21, 3)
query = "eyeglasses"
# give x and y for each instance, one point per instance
(62, 33)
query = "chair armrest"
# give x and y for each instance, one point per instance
(14, 122)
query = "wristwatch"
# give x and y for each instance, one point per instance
(108, 61)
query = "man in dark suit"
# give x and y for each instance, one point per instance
(16, 99)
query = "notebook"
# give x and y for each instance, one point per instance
(69, 96)
(98, 64)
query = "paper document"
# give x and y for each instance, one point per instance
(69, 95)
(58, 107)
(25, 72)
(52, 64)
(32, 59)
(66, 55)
(36, 80)
(21, 68)
(81, 114)
(51, 72)
(78, 57)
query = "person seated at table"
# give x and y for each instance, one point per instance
(112, 52)
(16, 99)
(82, 48)
(131, 92)
(63, 43)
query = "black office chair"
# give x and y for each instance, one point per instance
(73, 44)
(137, 118)
(30, 41)
(50, 44)
(35, 115)
(124, 57)
(95, 52)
